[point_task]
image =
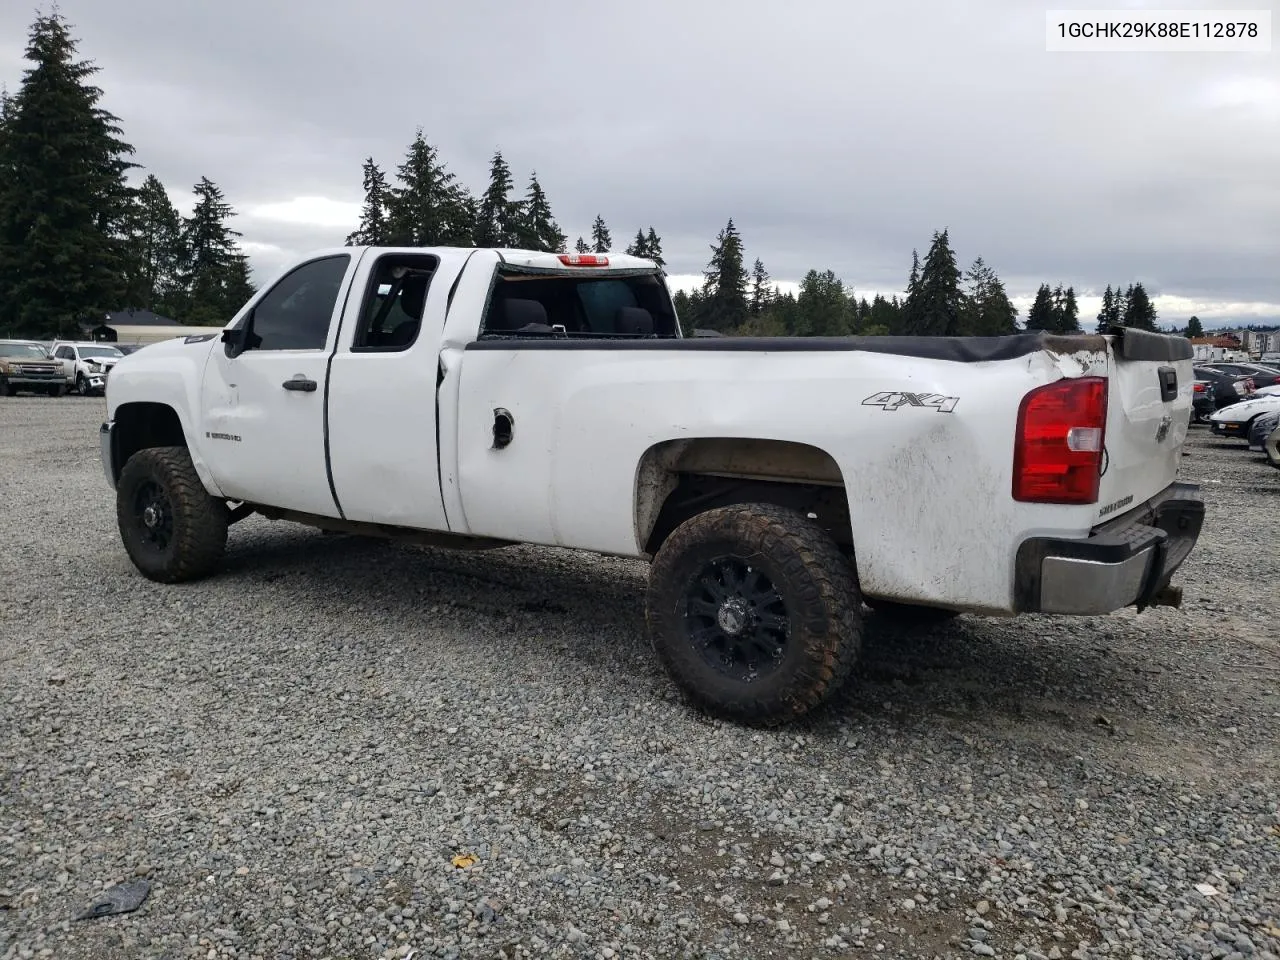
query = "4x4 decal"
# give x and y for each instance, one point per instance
(893, 399)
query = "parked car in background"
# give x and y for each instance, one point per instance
(85, 366)
(26, 365)
(1262, 376)
(1227, 389)
(1235, 420)
(1203, 401)
(1262, 428)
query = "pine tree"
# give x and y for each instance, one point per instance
(498, 216)
(761, 294)
(1106, 313)
(211, 261)
(372, 231)
(1041, 315)
(64, 201)
(909, 322)
(724, 287)
(823, 306)
(1069, 315)
(988, 312)
(429, 207)
(582, 246)
(1139, 310)
(935, 306)
(653, 244)
(154, 238)
(639, 246)
(537, 229)
(1120, 304)
(1059, 305)
(1194, 327)
(601, 242)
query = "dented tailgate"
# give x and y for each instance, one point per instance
(1148, 411)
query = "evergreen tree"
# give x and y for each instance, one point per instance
(537, 229)
(639, 246)
(1139, 310)
(935, 306)
(823, 306)
(724, 288)
(1041, 315)
(1195, 328)
(684, 311)
(1120, 303)
(601, 242)
(653, 244)
(212, 266)
(1106, 313)
(582, 246)
(64, 201)
(988, 312)
(428, 207)
(1066, 311)
(372, 231)
(154, 238)
(499, 217)
(908, 322)
(761, 294)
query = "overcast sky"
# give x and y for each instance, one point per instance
(837, 134)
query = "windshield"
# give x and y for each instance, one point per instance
(100, 352)
(23, 351)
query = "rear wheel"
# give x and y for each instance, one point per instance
(171, 528)
(754, 612)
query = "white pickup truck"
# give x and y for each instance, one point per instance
(482, 398)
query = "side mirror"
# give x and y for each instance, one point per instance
(233, 340)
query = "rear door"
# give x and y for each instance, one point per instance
(382, 407)
(1148, 412)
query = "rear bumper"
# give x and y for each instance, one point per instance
(1126, 562)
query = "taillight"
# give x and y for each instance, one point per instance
(1057, 454)
(583, 260)
(1199, 387)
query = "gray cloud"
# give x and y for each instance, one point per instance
(837, 135)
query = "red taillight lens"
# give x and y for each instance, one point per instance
(584, 260)
(1057, 455)
(1199, 387)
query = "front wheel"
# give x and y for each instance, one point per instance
(754, 612)
(171, 528)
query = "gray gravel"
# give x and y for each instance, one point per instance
(294, 751)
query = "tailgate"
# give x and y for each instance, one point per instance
(1148, 410)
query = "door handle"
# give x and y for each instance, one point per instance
(299, 382)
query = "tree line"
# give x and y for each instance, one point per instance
(428, 206)
(76, 238)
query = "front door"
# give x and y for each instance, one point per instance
(264, 408)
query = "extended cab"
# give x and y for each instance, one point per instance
(482, 398)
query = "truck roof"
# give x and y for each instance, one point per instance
(539, 259)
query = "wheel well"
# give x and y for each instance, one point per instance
(681, 478)
(142, 425)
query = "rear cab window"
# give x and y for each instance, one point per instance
(578, 305)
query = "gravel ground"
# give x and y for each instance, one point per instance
(294, 752)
